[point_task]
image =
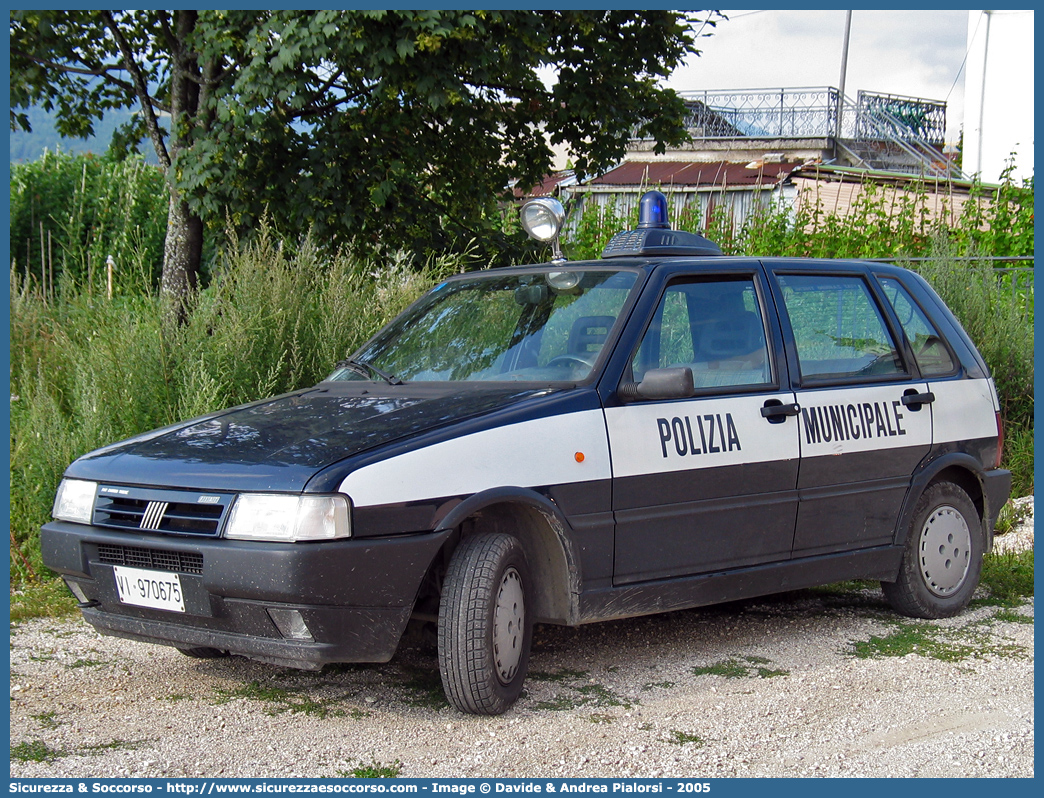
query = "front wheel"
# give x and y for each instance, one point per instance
(484, 625)
(943, 557)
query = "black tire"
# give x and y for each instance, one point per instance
(484, 626)
(943, 557)
(203, 652)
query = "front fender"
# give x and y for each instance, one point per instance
(451, 515)
(546, 537)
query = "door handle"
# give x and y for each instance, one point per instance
(914, 400)
(775, 411)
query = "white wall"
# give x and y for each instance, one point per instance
(998, 95)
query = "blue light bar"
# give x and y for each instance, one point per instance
(652, 211)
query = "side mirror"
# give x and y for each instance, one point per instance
(674, 383)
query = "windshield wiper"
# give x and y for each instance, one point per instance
(368, 370)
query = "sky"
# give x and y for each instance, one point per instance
(911, 53)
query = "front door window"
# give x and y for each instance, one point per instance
(707, 482)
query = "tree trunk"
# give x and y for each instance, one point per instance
(182, 253)
(183, 248)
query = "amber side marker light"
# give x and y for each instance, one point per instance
(579, 456)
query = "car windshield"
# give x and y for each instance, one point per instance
(524, 326)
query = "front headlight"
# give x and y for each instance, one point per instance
(277, 517)
(75, 501)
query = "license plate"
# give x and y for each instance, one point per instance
(157, 589)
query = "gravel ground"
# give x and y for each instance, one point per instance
(810, 683)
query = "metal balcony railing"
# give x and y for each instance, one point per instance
(883, 131)
(761, 113)
(893, 116)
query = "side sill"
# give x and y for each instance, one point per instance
(880, 563)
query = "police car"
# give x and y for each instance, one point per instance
(659, 429)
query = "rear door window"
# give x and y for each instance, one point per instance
(839, 332)
(932, 356)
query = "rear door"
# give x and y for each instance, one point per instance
(964, 412)
(865, 420)
(706, 483)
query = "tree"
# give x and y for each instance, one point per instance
(84, 63)
(377, 129)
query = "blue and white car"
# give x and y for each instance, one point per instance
(570, 442)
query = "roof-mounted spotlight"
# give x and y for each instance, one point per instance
(542, 219)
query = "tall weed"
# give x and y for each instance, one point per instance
(998, 321)
(998, 220)
(69, 214)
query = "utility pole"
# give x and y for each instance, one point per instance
(982, 94)
(844, 72)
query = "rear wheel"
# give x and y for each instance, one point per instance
(484, 625)
(943, 557)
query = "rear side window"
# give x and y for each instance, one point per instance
(838, 329)
(713, 326)
(933, 358)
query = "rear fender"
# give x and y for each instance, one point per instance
(961, 469)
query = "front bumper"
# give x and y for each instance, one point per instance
(354, 596)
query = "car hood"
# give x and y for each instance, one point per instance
(280, 443)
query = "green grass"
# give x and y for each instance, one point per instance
(35, 751)
(665, 685)
(113, 745)
(1011, 516)
(581, 695)
(600, 696)
(90, 207)
(729, 669)
(560, 703)
(1010, 616)
(563, 675)
(424, 688)
(373, 770)
(933, 642)
(87, 663)
(847, 586)
(736, 669)
(49, 720)
(1008, 576)
(1018, 458)
(49, 598)
(281, 700)
(684, 738)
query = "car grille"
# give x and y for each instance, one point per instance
(166, 511)
(184, 562)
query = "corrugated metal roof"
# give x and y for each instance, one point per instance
(689, 173)
(862, 174)
(549, 185)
